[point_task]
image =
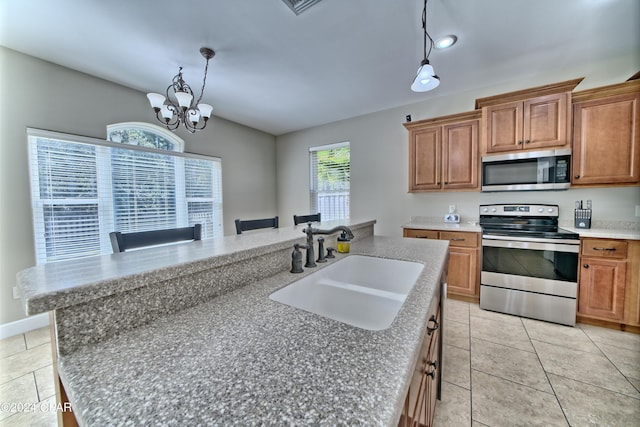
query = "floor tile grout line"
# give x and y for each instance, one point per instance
(596, 386)
(546, 374)
(35, 383)
(601, 354)
(499, 343)
(616, 366)
(580, 325)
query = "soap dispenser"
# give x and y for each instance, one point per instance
(343, 244)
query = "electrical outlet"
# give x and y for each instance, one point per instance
(637, 210)
(16, 293)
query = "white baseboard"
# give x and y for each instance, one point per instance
(24, 325)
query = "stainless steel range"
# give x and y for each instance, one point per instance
(529, 265)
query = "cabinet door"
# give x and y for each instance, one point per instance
(546, 121)
(432, 374)
(606, 135)
(420, 403)
(460, 155)
(503, 127)
(601, 289)
(462, 272)
(424, 159)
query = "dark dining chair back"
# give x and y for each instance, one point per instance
(299, 219)
(121, 242)
(254, 224)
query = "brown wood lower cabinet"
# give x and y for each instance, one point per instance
(608, 292)
(463, 271)
(420, 404)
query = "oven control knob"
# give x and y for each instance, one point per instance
(550, 210)
(540, 210)
(494, 210)
(485, 209)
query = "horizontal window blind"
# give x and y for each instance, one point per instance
(144, 190)
(82, 189)
(330, 179)
(204, 195)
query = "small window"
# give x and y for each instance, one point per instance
(330, 180)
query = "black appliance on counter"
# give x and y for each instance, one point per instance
(529, 265)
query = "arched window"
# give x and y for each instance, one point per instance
(144, 135)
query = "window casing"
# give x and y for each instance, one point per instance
(330, 177)
(84, 188)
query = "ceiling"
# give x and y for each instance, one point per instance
(279, 72)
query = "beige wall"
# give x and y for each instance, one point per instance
(379, 160)
(42, 95)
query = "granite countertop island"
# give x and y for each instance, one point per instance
(238, 358)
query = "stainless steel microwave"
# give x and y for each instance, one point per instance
(526, 171)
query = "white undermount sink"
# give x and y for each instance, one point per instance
(362, 291)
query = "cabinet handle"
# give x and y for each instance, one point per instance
(457, 239)
(446, 183)
(435, 325)
(527, 141)
(604, 249)
(577, 177)
(431, 373)
(519, 142)
(586, 266)
(422, 237)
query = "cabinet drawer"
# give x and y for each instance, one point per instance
(460, 238)
(421, 234)
(604, 248)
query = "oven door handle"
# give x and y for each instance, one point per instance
(538, 246)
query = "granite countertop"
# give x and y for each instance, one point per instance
(606, 233)
(242, 359)
(66, 283)
(437, 223)
(612, 231)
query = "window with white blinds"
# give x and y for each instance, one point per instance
(82, 189)
(330, 180)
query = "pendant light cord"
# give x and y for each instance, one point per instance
(204, 81)
(426, 34)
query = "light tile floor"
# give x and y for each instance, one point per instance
(502, 370)
(26, 377)
(499, 370)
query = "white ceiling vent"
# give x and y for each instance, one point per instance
(299, 6)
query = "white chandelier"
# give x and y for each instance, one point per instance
(181, 108)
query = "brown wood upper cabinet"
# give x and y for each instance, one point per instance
(443, 153)
(606, 135)
(529, 119)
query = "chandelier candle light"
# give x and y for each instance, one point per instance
(426, 78)
(194, 115)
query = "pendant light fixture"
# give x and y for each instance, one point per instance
(426, 79)
(180, 107)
